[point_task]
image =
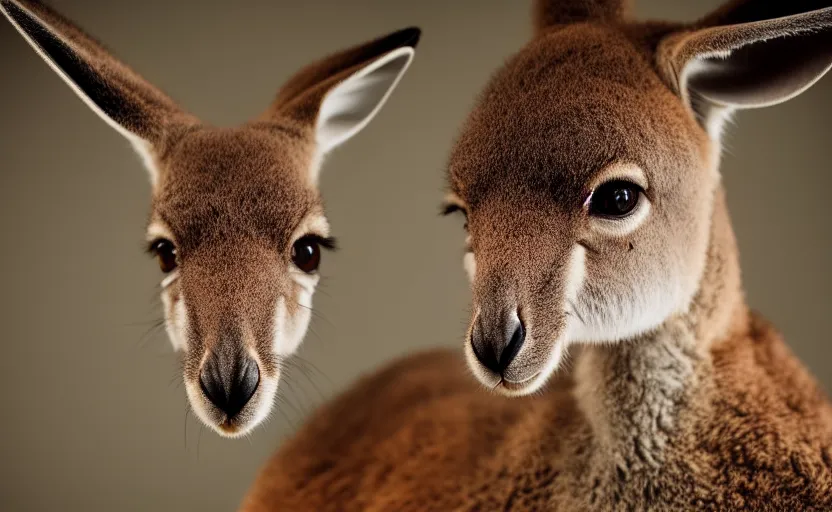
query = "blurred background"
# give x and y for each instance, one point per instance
(94, 414)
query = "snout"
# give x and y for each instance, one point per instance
(496, 340)
(510, 355)
(239, 323)
(232, 390)
(229, 381)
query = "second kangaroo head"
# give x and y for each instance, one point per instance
(237, 223)
(238, 227)
(588, 172)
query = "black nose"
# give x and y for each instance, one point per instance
(496, 341)
(229, 380)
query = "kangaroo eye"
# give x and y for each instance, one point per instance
(306, 254)
(614, 199)
(165, 252)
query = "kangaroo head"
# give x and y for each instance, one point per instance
(587, 172)
(236, 222)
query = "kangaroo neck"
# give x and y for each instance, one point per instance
(634, 393)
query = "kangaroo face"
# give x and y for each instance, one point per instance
(238, 233)
(586, 188)
(587, 173)
(236, 222)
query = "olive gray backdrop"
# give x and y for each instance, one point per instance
(93, 412)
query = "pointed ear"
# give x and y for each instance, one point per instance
(749, 63)
(118, 95)
(340, 94)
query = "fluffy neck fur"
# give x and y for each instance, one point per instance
(634, 394)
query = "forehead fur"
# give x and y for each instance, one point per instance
(236, 183)
(571, 102)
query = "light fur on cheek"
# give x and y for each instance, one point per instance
(289, 329)
(469, 262)
(575, 276)
(176, 319)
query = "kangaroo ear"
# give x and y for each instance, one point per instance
(340, 94)
(118, 95)
(738, 58)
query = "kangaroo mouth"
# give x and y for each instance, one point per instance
(515, 387)
(231, 427)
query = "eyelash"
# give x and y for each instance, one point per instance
(327, 242)
(450, 209)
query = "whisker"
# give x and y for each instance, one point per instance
(151, 332)
(199, 439)
(289, 378)
(142, 323)
(322, 291)
(575, 311)
(315, 314)
(176, 379)
(308, 376)
(284, 400)
(187, 410)
(291, 423)
(306, 363)
(315, 333)
(303, 391)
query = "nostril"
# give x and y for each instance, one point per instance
(487, 357)
(247, 383)
(485, 352)
(211, 383)
(513, 347)
(229, 385)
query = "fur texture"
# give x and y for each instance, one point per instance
(230, 202)
(679, 398)
(422, 435)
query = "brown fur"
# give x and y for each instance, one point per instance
(705, 408)
(422, 435)
(754, 432)
(231, 200)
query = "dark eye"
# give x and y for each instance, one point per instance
(614, 199)
(165, 252)
(306, 254)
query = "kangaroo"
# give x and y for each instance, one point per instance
(237, 222)
(597, 229)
